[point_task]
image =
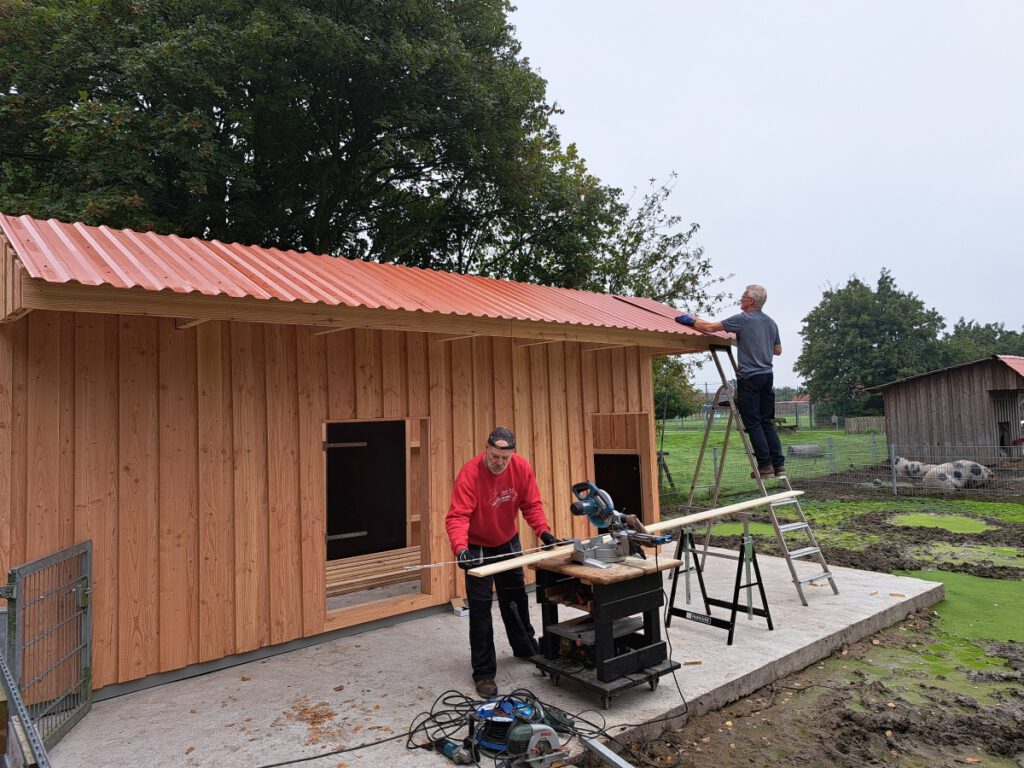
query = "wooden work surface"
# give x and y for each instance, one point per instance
(630, 568)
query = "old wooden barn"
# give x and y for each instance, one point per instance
(976, 407)
(244, 432)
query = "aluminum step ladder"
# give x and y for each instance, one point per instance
(806, 550)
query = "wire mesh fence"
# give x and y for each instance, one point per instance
(829, 463)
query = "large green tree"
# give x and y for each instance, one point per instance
(858, 336)
(969, 341)
(399, 130)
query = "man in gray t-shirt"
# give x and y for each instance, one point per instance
(757, 341)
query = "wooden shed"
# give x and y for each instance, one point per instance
(231, 426)
(976, 407)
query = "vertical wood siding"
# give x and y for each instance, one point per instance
(193, 460)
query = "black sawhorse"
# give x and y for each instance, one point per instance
(687, 551)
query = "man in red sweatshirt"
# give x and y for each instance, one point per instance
(483, 526)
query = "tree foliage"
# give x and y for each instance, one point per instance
(398, 130)
(969, 341)
(674, 394)
(859, 337)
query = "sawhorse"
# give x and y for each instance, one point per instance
(686, 551)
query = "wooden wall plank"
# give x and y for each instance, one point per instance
(19, 444)
(483, 388)
(394, 396)
(138, 494)
(539, 435)
(96, 478)
(249, 416)
(7, 363)
(65, 471)
(577, 420)
(369, 397)
(441, 583)
(634, 398)
(42, 523)
(216, 546)
(285, 543)
(647, 443)
(466, 443)
(622, 435)
(419, 376)
(341, 375)
(559, 515)
(311, 356)
(179, 498)
(504, 400)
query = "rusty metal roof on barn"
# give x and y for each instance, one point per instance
(1013, 362)
(59, 252)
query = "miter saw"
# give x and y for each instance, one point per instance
(624, 534)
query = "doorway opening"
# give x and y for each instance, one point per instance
(371, 536)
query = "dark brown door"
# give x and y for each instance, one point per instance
(365, 487)
(619, 476)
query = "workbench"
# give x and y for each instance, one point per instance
(616, 642)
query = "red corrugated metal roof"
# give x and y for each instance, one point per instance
(58, 252)
(1014, 362)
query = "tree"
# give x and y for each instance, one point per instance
(399, 130)
(650, 255)
(970, 341)
(857, 337)
(674, 395)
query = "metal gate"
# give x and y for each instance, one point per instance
(49, 636)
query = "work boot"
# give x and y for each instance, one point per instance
(486, 688)
(780, 471)
(765, 472)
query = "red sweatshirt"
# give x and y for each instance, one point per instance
(485, 506)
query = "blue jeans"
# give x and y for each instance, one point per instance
(755, 398)
(512, 603)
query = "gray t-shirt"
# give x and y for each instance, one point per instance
(756, 337)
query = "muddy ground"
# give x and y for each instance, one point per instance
(873, 703)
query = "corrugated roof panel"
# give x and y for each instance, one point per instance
(58, 252)
(1014, 362)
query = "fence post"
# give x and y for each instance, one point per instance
(831, 456)
(892, 468)
(714, 459)
(874, 450)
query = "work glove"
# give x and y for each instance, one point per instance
(466, 560)
(686, 319)
(550, 542)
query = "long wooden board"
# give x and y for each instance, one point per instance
(664, 525)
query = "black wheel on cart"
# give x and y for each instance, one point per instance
(555, 679)
(654, 683)
(606, 701)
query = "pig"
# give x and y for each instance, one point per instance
(954, 475)
(908, 468)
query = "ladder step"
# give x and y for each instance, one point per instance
(804, 552)
(816, 577)
(784, 503)
(793, 527)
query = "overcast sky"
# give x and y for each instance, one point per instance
(814, 139)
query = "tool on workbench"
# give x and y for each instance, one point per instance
(624, 534)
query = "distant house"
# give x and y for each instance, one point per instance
(974, 406)
(233, 427)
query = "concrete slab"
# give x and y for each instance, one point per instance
(371, 686)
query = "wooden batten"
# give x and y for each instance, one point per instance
(38, 294)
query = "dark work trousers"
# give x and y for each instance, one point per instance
(755, 398)
(515, 612)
